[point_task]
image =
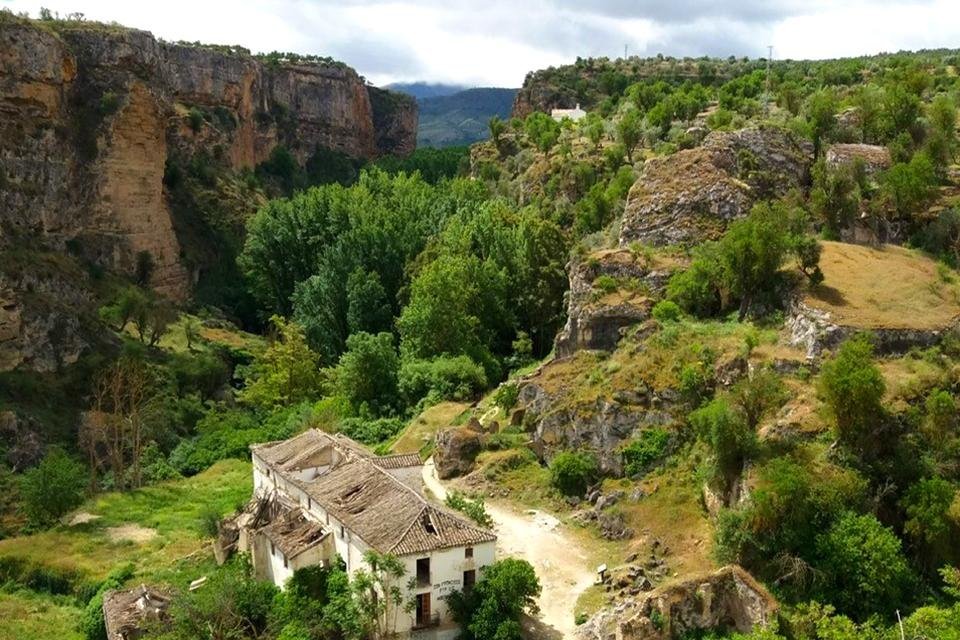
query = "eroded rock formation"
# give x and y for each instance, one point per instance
(728, 599)
(692, 195)
(90, 114)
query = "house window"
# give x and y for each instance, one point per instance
(423, 572)
(273, 549)
(423, 610)
(343, 532)
(285, 565)
(468, 552)
(469, 579)
(309, 504)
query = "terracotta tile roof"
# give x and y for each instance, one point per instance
(293, 534)
(388, 515)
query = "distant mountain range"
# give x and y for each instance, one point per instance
(451, 115)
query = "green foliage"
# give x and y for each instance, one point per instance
(758, 394)
(474, 509)
(52, 488)
(367, 373)
(882, 580)
(908, 187)
(229, 433)
(195, 119)
(572, 472)
(231, 599)
(542, 130)
(286, 373)
(641, 453)
(821, 109)
(371, 431)
(506, 396)
(491, 610)
(744, 265)
(729, 436)
(433, 165)
(835, 196)
(667, 311)
(91, 623)
(929, 522)
(444, 378)
(852, 388)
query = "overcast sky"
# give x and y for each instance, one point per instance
(495, 42)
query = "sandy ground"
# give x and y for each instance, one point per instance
(81, 517)
(132, 532)
(540, 539)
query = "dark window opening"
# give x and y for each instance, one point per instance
(285, 565)
(469, 579)
(468, 552)
(428, 524)
(273, 549)
(423, 572)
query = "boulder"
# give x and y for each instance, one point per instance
(875, 158)
(692, 195)
(728, 599)
(456, 451)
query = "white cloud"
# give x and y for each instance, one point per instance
(498, 41)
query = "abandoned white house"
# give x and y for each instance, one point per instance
(574, 114)
(319, 496)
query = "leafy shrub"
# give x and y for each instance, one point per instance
(91, 623)
(667, 311)
(572, 472)
(853, 388)
(52, 488)
(506, 396)
(492, 609)
(645, 450)
(474, 509)
(882, 578)
(443, 378)
(195, 119)
(606, 283)
(730, 438)
(371, 432)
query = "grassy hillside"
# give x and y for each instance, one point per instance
(163, 530)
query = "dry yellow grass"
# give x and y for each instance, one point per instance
(887, 287)
(424, 427)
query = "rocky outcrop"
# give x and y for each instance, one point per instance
(395, 120)
(875, 158)
(596, 319)
(693, 194)
(728, 599)
(456, 450)
(91, 113)
(601, 426)
(814, 330)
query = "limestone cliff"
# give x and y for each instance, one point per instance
(90, 114)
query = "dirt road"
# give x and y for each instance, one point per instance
(540, 539)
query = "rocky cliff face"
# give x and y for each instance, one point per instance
(690, 196)
(89, 115)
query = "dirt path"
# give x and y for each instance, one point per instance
(538, 538)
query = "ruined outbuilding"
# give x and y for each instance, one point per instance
(129, 614)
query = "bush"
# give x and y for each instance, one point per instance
(572, 472)
(881, 582)
(91, 623)
(367, 373)
(853, 388)
(506, 396)
(371, 432)
(491, 610)
(474, 509)
(443, 378)
(730, 438)
(667, 311)
(52, 488)
(645, 450)
(195, 119)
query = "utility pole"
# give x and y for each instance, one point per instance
(624, 51)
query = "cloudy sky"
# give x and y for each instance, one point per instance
(495, 42)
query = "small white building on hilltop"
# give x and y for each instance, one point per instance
(573, 114)
(319, 496)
